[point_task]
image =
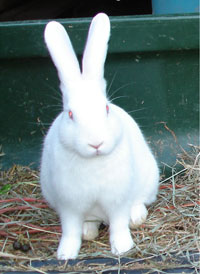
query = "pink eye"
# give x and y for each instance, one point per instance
(70, 114)
(107, 109)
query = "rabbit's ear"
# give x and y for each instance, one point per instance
(62, 52)
(96, 47)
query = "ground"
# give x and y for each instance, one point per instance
(170, 232)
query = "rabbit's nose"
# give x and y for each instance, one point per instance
(96, 146)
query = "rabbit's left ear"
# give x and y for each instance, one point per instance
(96, 47)
(62, 53)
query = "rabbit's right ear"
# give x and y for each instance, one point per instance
(96, 47)
(62, 52)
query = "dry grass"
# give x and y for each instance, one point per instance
(171, 228)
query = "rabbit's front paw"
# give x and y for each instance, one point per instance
(68, 248)
(121, 243)
(138, 215)
(90, 230)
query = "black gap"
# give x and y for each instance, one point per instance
(14, 10)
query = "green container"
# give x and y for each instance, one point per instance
(151, 68)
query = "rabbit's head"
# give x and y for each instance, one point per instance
(89, 123)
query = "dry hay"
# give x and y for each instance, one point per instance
(171, 228)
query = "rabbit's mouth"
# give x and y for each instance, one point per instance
(101, 149)
(99, 153)
(95, 152)
(97, 148)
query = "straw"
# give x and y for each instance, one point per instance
(172, 226)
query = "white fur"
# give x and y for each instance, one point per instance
(84, 184)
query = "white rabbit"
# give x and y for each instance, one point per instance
(96, 165)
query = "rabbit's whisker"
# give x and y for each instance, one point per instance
(57, 107)
(52, 88)
(55, 98)
(136, 110)
(39, 123)
(122, 96)
(113, 78)
(123, 86)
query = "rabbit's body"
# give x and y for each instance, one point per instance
(96, 165)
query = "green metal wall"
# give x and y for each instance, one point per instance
(152, 66)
